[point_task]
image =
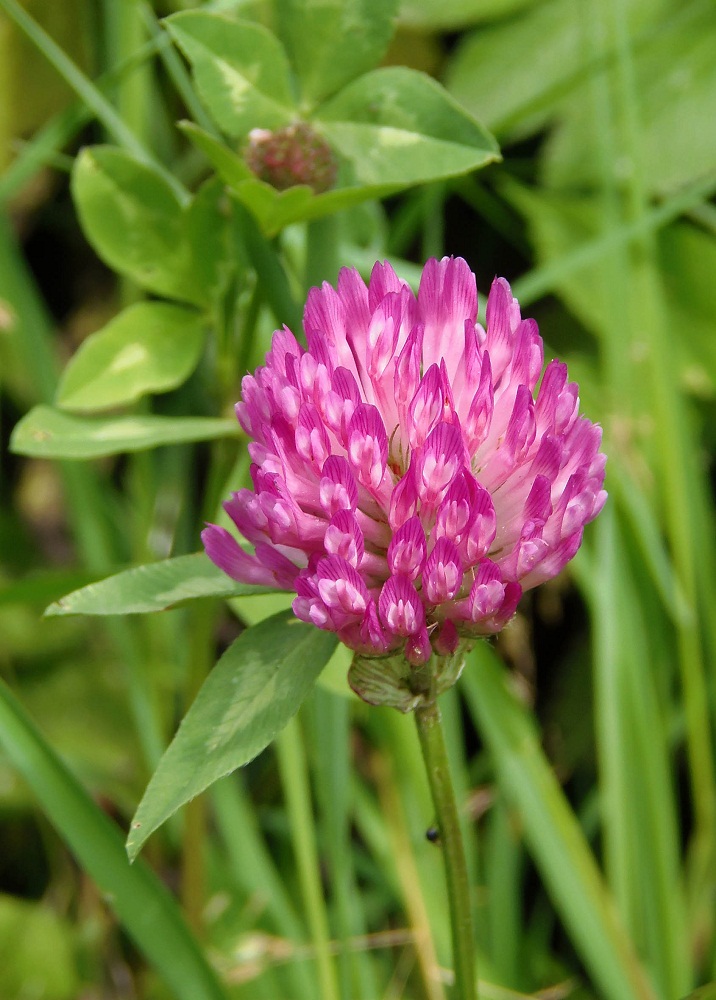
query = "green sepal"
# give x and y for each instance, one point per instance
(392, 681)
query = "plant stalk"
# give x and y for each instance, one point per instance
(432, 743)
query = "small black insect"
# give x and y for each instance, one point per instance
(433, 835)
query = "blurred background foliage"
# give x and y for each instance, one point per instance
(601, 213)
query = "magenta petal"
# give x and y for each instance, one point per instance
(447, 639)
(383, 282)
(341, 589)
(479, 416)
(406, 552)
(417, 648)
(467, 517)
(438, 462)
(442, 576)
(521, 428)
(553, 561)
(404, 501)
(353, 292)
(487, 592)
(344, 538)
(312, 442)
(503, 317)
(447, 297)
(226, 553)
(337, 489)
(283, 570)
(455, 511)
(383, 332)
(426, 407)
(407, 368)
(400, 607)
(538, 505)
(368, 445)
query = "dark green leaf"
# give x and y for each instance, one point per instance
(48, 433)
(240, 70)
(247, 699)
(149, 347)
(153, 587)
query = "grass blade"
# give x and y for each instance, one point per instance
(294, 777)
(136, 895)
(552, 832)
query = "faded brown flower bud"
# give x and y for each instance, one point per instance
(289, 156)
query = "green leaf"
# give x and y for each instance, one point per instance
(246, 700)
(398, 126)
(688, 255)
(140, 900)
(48, 433)
(153, 587)
(331, 42)
(137, 225)
(149, 347)
(635, 784)
(240, 70)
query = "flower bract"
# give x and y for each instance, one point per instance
(413, 471)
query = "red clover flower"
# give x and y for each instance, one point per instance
(410, 480)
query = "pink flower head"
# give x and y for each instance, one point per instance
(413, 472)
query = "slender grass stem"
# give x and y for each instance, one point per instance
(678, 480)
(89, 93)
(175, 68)
(545, 278)
(432, 742)
(294, 777)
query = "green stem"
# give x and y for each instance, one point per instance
(321, 251)
(262, 256)
(432, 742)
